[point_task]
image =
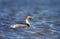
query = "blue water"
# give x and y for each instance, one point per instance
(45, 23)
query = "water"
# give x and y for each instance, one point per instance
(45, 23)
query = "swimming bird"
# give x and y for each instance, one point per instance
(27, 23)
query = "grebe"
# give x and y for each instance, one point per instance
(27, 24)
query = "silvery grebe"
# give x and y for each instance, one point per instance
(27, 24)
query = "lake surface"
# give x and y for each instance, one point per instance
(45, 23)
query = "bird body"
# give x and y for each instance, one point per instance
(27, 24)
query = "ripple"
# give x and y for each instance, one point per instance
(45, 23)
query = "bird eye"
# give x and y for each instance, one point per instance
(30, 18)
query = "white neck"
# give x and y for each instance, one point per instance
(27, 22)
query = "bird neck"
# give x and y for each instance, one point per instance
(27, 22)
